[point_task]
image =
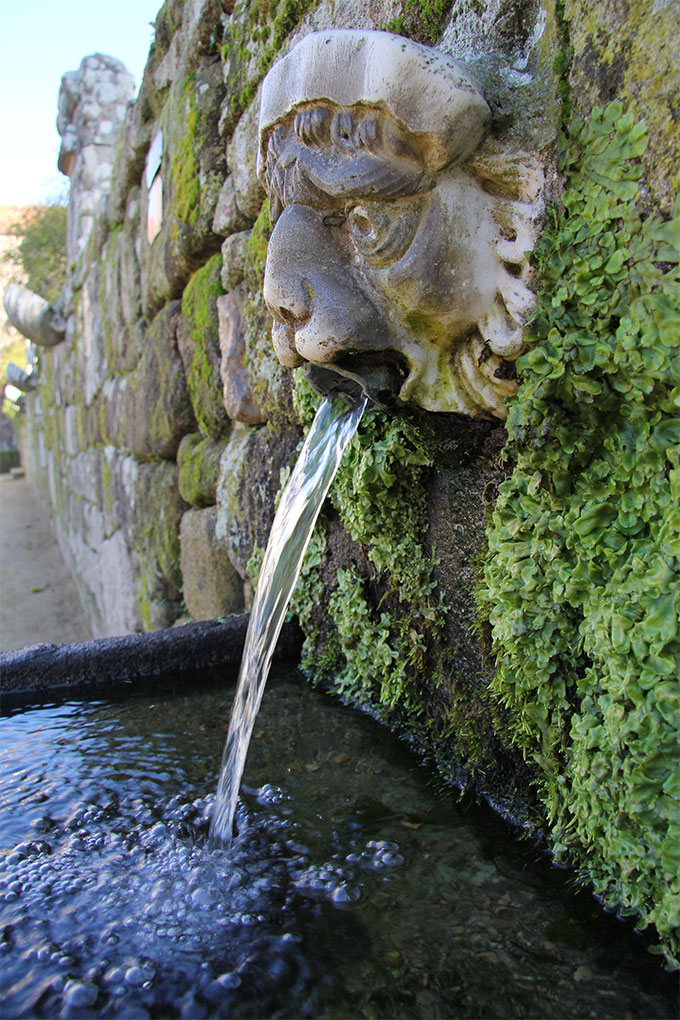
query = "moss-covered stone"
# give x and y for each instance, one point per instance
(193, 168)
(197, 167)
(631, 52)
(200, 349)
(253, 36)
(422, 20)
(156, 405)
(157, 510)
(120, 297)
(198, 459)
(271, 385)
(250, 473)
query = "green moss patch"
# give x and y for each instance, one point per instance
(271, 385)
(582, 582)
(422, 20)
(200, 349)
(155, 538)
(199, 464)
(257, 31)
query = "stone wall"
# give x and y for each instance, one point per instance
(163, 423)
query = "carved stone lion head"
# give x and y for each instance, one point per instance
(396, 261)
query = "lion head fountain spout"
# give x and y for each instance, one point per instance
(391, 267)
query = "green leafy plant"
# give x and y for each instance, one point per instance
(582, 581)
(375, 654)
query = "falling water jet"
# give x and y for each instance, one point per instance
(335, 423)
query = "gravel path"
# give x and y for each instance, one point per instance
(38, 599)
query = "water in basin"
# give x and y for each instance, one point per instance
(352, 889)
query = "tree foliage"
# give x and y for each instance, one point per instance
(40, 254)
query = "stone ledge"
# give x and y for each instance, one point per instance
(133, 663)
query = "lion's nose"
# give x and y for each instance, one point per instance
(321, 312)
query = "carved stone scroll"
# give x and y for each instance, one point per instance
(398, 256)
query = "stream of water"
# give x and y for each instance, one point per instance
(335, 423)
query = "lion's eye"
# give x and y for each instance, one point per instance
(382, 232)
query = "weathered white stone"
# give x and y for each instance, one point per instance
(94, 532)
(71, 444)
(242, 162)
(412, 278)
(91, 355)
(92, 102)
(234, 252)
(33, 316)
(229, 218)
(85, 475)
(120, 592)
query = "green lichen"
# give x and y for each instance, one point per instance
(157, 511)
(582, 583)
(184, 169)
(267, 24)
(256, 256)
(271, 385)
(199, 463)
(202, 361)
(629, 52)
(422, 20)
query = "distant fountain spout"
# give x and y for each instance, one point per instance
(335, 423)
(33, 316)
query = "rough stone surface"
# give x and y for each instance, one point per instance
(157, 408)
(238, 396)
(199, 465)
(120, 295)
(229, 218)
(234, 252)
(211, 586)
(631, 52)
(92, 104)
(249, 479)
(242, 163)
(91, 349)
(198, 338)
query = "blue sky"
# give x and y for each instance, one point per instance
(42, 40)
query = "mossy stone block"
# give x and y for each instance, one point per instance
(250, 472)
(200, 348)
(198, 459)
(631, 52)
(157, 408)
(156, 510)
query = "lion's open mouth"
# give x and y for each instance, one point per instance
(379, 375)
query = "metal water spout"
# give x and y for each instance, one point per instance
(397, 263)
